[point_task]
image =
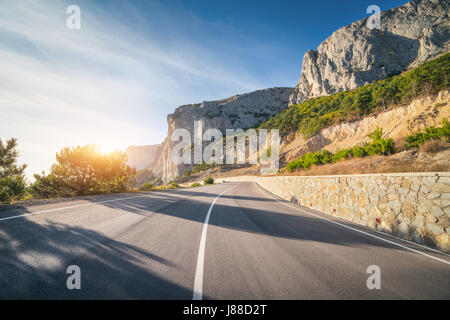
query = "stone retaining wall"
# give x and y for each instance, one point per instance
(413, 206)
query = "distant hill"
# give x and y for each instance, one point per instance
(143, 157)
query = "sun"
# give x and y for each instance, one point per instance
(110, 147)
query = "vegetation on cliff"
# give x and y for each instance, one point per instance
(430, 133)
(378, 146)
(317, 113)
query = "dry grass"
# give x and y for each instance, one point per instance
(407, 161)
(433, 146)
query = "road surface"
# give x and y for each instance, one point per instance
(226, 241)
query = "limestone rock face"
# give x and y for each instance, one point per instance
(241, 111)
(355, 55)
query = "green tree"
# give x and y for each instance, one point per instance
(362, 101)
(379, 145)
(12, 180)
(83, 171)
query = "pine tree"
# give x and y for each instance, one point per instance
(12, 180)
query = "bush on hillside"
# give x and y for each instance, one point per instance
(378, 146)
(317, 113)
(430, 133)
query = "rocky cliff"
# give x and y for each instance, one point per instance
(240, 111)
(355, 55)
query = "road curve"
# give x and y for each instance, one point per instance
(252, 245)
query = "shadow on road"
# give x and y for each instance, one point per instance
(34, 258)
(255, 214)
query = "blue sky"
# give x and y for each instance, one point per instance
(133, 62)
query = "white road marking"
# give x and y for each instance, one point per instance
(354, 229)
(198, 283)
(70, 207)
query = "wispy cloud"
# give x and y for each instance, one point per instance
(109, 83)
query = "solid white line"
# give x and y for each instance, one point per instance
(70, 207)
(198, 283)
(357, 230)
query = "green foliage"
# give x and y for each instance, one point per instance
(12, 180)
(208, 180)
(46, 186)
(378, 146)
(317, 113)
(310, 159)
(186, 173)
(12, 188)
(84, 171)
(172, 185)
(342, 154)
(195, 185)
(358, 152)
(430, 133)
(202, 167)
(147, 187)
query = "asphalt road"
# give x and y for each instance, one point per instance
(157, 246)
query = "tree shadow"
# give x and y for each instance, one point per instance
(259, 215)
(34, 258)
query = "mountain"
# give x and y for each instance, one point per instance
(351, 57)
(356, 55)
(240, 111)
(143, 157)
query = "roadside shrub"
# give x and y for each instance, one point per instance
(195, 185)
(430, 133)
(85, 170)
(11, 188)
(378, 146)
(358, 152)
(147, 187)
(342, 154)
(208, 180)
(12, 179)
(172, 185)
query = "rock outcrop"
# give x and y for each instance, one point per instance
(356, 55)
(240, 111)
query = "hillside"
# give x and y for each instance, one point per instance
(318, 113)
(397, 123)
